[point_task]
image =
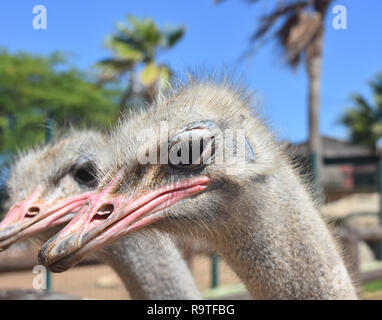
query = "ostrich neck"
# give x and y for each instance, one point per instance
(280, 247)
(151, 267)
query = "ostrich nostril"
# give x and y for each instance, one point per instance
(32, 212)
(103, 212)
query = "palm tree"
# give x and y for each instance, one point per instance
(363, 119)
(298, 27)
(135, 47)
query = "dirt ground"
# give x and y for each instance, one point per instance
(373, 296)
(100, 282)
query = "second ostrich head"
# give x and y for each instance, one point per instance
(48, 184)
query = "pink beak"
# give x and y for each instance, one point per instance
(33, 215)
(107, 218)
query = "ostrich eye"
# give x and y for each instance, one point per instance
(187, 155)
(85, 175)
(192, 149)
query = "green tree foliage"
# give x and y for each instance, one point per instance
(364, 119)
(34, 88)
(135, 46)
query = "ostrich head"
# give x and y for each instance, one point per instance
(48, 184)
(183, 165)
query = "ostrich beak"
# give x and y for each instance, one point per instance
(33, 215)
(106, 218)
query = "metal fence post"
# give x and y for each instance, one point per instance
(49, 129)
(314, 167)
(214, 270)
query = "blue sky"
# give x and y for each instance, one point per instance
(216, 37)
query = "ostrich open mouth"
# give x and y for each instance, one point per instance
(33, 215)
(106, 218)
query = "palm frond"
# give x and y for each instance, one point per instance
(172, 36)
(322, 6)
(360, 103)
(267, 22)
(363, 121)
(297, 33)
(376, 86)
(116, 63)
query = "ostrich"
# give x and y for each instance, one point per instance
(223, 179)
(47, 184)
